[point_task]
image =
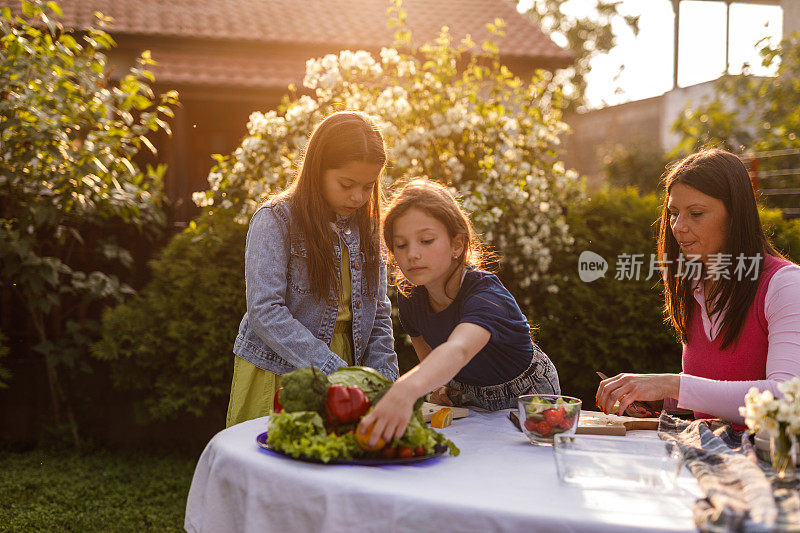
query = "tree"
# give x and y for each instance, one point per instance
(754, 114)
(636, 164)
(586, 37)
(70, 195)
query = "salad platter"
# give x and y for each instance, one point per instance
(316, 417)
(262, 441)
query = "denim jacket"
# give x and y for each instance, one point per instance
(285, 327)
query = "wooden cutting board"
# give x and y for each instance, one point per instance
(596, 423)
(428, 410)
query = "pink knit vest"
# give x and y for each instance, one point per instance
(743, 360)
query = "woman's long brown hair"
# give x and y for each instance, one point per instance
(341, 138)
(721, 175)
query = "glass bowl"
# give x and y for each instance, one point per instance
(543, 416)
(619, 463)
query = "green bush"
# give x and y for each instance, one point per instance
(611, 325)
(72, 200)
(634, 165)
(784, 234)
(175, 339)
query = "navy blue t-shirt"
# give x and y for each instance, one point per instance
(484, 301)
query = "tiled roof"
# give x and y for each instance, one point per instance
(263, 44)
(233, 70)
(344, 23)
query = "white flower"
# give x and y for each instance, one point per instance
(329, 62)
(762, 411)
(330, 79)
(389, 56)
(770, 427)
(363, 60)
(201, 199)
(443, 130)
(346, 59)
(791, 386)
(406, 68)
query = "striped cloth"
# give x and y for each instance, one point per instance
(740, 495)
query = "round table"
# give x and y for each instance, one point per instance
(499, 482)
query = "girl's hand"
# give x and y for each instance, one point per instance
(390, 416)
(627, 388)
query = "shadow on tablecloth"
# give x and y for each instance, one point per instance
(739, 488)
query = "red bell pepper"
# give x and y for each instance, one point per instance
(276, 403)
(346, 404)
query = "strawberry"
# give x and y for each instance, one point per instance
(530, 424)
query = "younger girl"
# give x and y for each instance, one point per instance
(315, 277)
(466, 328)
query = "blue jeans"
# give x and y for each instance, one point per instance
(540, 377)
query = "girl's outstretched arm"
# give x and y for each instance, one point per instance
(438, 396)
(392, 413)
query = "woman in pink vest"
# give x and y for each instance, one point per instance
(733, 300)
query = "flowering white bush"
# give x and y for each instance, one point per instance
(763, 412)
(466, 121)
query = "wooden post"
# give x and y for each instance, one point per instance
(676, 8)
(727, 36)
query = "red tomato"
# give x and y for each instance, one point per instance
(553, 417)
(419, 450)
(543, 428)
(530, 424)
(276, 403)
(566, 423)
(404, 452)
(389, 452)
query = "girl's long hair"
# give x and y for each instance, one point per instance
(436, 201)
(721, 175)
(341, 138)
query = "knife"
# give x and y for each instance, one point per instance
(642, 408)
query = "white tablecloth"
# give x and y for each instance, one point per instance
(500, 482)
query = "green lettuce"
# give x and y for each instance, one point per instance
(419, 434)
(302, 433)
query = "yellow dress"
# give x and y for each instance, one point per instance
(253, 389)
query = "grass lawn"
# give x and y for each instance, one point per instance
(47, 490)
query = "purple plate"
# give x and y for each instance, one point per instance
(365, 461)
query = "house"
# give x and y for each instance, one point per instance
(228, 58)
(646, 124)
